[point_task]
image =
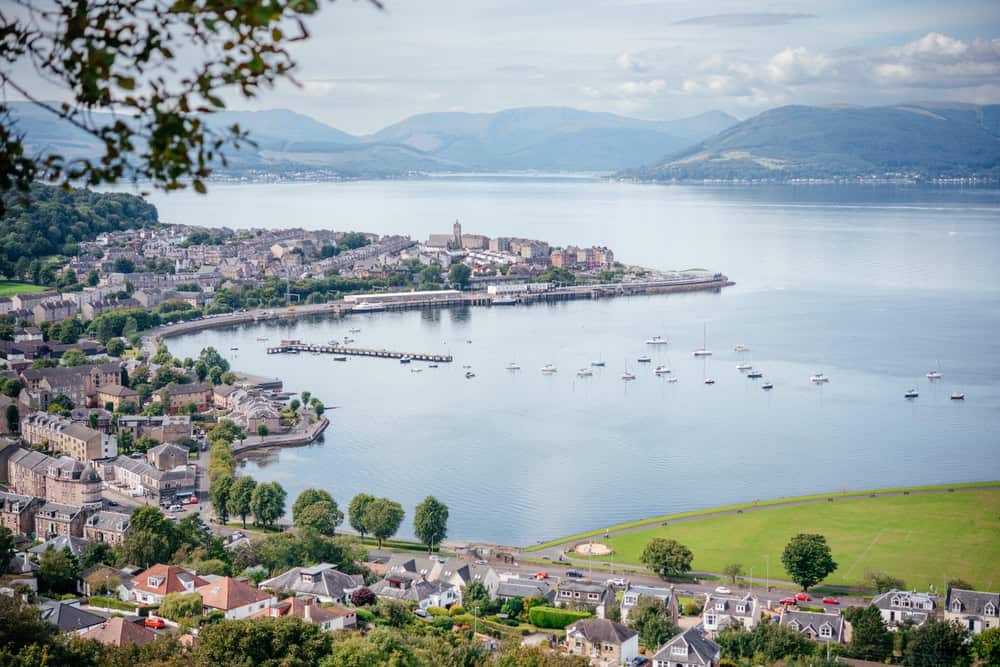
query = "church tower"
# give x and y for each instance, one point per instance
(456, 232)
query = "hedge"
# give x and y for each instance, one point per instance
(553, 618)
(437, 611)
(113, 603)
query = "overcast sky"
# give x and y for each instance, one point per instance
(659, 59)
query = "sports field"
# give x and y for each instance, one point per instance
(10, 288)
(920, 538)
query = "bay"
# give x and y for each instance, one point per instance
(873, 286)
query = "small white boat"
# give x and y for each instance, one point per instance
(911, 394)
(549, 369)
(234, 349)
(644, 359)
(754, 375)
(340, 358)
(671, 380)
(348, 339)
(662, 370)
(657, 340)
(703, 351)
(469, 375)
(767, 386)
(957, 396)
(744, 367)
(404, 360)
(261, 338)
(597, 364)
(354, 330)
(513, 367)
(818, 378)
(709, 381)
(584, 373)
(432, 365)
(416, 370)
(934, 375)
(741, 348)
(628, 375)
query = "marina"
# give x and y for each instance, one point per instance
(296, 346)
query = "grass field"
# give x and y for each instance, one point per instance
(922, 538)
(10, 288)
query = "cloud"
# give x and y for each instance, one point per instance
(794, 66)
(642, 88)
(939, 61)
(630, 63)
(746, 19)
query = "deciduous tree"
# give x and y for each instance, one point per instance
(733, 570)
(239, 498)
(6, 548)
(937, 644)
(382, 518)
(322, 517)
(986, 646)
(430, 522)
(219, 495)
(57, 571)
(177, 606)
(666, 556)
(808, 560)
(356, 512)
(870, 640)
(267, 503)
(651, 619)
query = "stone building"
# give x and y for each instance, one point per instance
(63, 436)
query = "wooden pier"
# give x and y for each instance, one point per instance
(295, 347)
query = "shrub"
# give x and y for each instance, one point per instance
(463, 619)
(365, 615)
(443, 622)
(456, 610)
(363, 596)
(692, 609)
(437, 611)
(553, 618)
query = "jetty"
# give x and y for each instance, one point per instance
(297, 346)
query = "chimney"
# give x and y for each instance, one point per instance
(308, 611)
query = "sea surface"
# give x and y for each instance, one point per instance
(873, 286)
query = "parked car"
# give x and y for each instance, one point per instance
(540, 575)
(618, 581)
(482, 562)
(639, 661)
(176, 508)
(193, 500)
(830, 600)
(802, 597)
(723, 590)
(789, 600)
(574, 574)
(154, 622)
(421, 612)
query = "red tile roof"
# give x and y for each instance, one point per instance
(228, 593)
(172, 580)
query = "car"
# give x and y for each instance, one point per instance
(723, 590)
(482, 562)
(573, 574)
(193, 500)
(617, 581)
(540, 575)
(638, 661)
(802, 597)
(176, 508)
(830, 600)
(790, 600)
(154, 622)
(421, 612)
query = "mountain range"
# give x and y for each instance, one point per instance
(923, 140)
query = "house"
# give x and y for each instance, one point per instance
(976, 611)
(691, 648)
(324, 582)
(63, 436)
(69, 617)
(106, 527)
(453, 571)
(177, 397)
(165, 428)
(118, 631)
(17, 513)
(54, 311)
(63, 480)
(112, 396)
(167, 456)
(76, 545)
(21, 571)
(525, 588)
(235, 598)
(632, 594)
(308, 609)
(604, 642)
(104, 579)
(143, 480)
(721, 611)
(817, 626)
(54, 519)
(152, 585)
(415, 588)
(899, 607)
(79, 383)
(221, 394)
(591, 595)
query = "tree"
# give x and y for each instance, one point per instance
(305, 397)
(318, 407)
(476, 595)
(267, 503)
(808, 560)
(74, 357)
(116, 347)
(986, 646)
(514, 607)
(960, 583)
(363, 597)
(871, 640)
(666, 556)
(430, 522)
(96, 553)
(882, 582)
(13, 417)
(63, 402)
(57, 571)
(263, 641)
(937, 644)
(7, 543)
(733, 570)
(430, 275)
(10, 387)
(321, 517)
(356, 512)
(294, 405)
(459, 274)
(177, 606)
(382, 518)
(219, 495)
(151, 538)
(240, 497)
(307, 498)
(262, 430)
(22, 626)
(651, 618)
(124, 265)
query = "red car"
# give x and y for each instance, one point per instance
(541, 575)
(802, 597)
(154, 622)
(193, 500)
(786, 601)
(830, 600)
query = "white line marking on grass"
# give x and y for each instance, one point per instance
(865, 552)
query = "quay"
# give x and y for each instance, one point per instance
(296, 346)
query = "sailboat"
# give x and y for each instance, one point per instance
(512, 366)
(936, 373)
(703, 351)
(628, 375)
(584, 373)
(657, 340)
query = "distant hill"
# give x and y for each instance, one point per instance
(535, 138)
(922, 140)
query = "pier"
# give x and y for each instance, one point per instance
(295, 347)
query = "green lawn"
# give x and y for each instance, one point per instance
(10, 288)
(920, 538)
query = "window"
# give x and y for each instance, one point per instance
(825, 631)
(794, 625)
(989, 609)
(593, 596)
(720, 606)
(895, 601)
(956, 606)
(678, 649)
(741, 608)
(710, 619)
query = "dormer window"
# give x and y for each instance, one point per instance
(679, 649)
(741, 608)
(720, 605)
(154, 582)
(895, 601)
(956, 606)
(794, 625)
(825, 631)
(989, 609)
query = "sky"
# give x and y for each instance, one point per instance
(363, 69)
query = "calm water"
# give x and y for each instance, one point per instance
(873, 286)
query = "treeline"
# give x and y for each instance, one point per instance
(54, 222)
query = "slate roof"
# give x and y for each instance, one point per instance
(75, 544)
(523, 588)
(972, 603)
(110, 521)
(68, 617)
(803, 620)
(323, 579)
(601, 631)
(417, 591)
(701, 649)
